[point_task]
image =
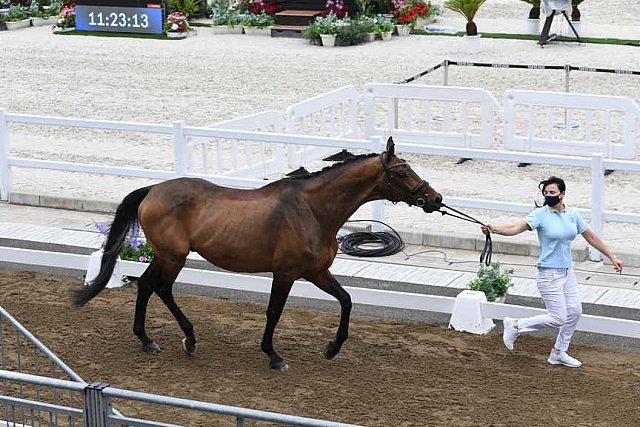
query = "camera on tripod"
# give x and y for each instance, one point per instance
(550, 8)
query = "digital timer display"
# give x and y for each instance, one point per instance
(119, 19)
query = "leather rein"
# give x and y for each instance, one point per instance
(487, 251)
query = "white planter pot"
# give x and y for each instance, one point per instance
(176, 35)
(568, 32)
(473, 44)
(328, 40)
(255, 31)
(115, 281)
(226, 29)
(16, 25)
(403, 30)
(371, 37)
(42, 22)
(386, 36)
(533, 26)
(422, 22)
(63, 30)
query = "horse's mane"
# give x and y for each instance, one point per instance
(332, 167)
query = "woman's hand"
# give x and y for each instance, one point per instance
(617, 264)
(486, 228)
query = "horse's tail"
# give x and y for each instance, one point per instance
(125, 218)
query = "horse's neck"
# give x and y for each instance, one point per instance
(335, 197)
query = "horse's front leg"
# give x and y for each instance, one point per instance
(325, 281)
(280, 289)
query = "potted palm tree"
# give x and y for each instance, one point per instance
(468, 9)
(533, 20)
(575, 15)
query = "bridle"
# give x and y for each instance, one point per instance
(487, 251)
(389, 175)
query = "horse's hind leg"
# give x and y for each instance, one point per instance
(279, 292)
(159, 278)
(325, 281)
(145, 289)
(164, 290)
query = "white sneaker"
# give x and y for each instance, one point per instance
(510, 333)
(562, 358)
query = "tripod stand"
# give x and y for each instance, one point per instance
(545, 37)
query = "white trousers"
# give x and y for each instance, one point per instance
(559, 290)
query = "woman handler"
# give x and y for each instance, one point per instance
(557, 226)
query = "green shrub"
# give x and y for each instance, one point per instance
(491, 281)
(352, 32)
(258, 20)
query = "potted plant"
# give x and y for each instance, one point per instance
(66, 20)
(575, 16)
(533, 20)
(492, 281)
(177, 26)
(468, 9)
(135, 248)
(17, 17)
(226, 18)
(384, 26)
(575, 12)
(39, 16)
(327, 27)
(368, 25)
(258, 23)
(407, 14)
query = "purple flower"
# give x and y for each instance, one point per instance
(102, 229)
(142, 258)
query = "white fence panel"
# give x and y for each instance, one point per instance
(249, 159)
(333, 114)
(570, 124)
(365, 296)
(434, 115)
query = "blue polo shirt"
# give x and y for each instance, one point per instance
(556, 230)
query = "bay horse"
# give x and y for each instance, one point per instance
(287, 227)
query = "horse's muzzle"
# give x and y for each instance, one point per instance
(430, 204)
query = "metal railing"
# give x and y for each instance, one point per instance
(95, 410)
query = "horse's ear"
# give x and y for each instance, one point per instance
(390, 148)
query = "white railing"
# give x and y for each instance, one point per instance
(240, 158)
(266, 154)
(561, 123)
(332, 114)
(365, 296)
(434, 115)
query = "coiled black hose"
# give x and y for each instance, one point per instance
(355, 243)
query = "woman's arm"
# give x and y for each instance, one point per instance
(595, 241)
(506, 230)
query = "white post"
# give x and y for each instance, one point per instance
(5, 169)
(179, 149)
(597, 201)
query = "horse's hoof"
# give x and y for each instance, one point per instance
(331, 350)
(280, 366)
(190, 349)
(152, 348)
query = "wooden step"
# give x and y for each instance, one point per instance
(293, 31)
(291, 17)
(307, 13)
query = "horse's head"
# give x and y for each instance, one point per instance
(402, 184)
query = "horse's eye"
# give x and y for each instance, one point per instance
(403, 174)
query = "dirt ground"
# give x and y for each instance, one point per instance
(390, 373)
